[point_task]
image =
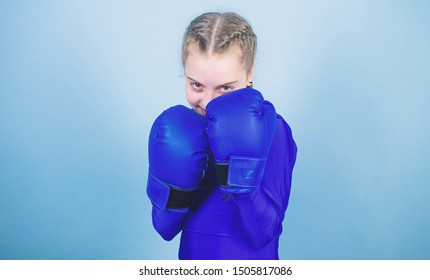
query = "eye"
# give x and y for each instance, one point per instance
(196, 86)
(225, 89)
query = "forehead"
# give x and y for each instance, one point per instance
(214, 67)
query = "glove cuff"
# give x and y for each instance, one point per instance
(165, 196)
(240, 174)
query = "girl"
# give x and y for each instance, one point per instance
(220, 172)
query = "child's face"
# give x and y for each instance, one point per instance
(209, 76)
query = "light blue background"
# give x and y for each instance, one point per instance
(82, 81)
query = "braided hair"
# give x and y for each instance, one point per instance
(216, 32)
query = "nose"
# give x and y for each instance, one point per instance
(208, 96)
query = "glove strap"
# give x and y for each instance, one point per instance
(165, 196)
(240, 174)
(180, 199)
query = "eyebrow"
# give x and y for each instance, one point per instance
(224, 84)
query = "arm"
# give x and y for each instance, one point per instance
(167, 223)
(254, 156)
(262, 211)
(178, 155)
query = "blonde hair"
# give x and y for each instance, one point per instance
(215, 32)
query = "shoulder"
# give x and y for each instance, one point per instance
(282, 124)
(280, 163)
(283, 130)
(284, 142)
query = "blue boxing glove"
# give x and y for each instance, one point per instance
(241, 128)
(178, 156)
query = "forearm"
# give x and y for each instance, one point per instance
(260, 215)
(168, 223)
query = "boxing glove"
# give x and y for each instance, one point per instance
(178, 155)
(241, 128)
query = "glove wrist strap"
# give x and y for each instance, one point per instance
(240, 174)
(165, 196)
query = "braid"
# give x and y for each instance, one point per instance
(241, 34)
(215, 32)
